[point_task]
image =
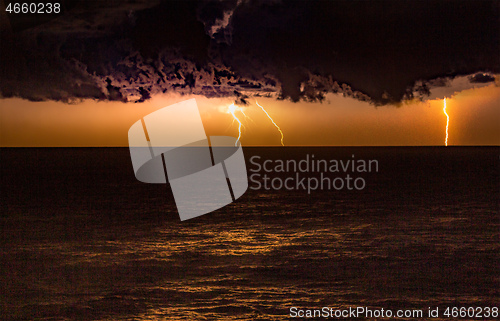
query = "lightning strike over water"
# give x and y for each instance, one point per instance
(232, 109)
(447, 122)
(279, 129)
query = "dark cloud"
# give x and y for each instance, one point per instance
(381, 51)
(481, 78)
(440, 88)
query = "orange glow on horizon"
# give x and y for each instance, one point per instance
(338, 121)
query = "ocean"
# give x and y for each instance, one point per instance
(82, 239)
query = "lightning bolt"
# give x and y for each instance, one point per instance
(278, 127)
(447, 122)
(232, 108)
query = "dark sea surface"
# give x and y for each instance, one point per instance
(81, 239)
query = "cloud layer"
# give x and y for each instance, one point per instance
(382, 51)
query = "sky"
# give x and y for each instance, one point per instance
(339, 121)
(334, 73)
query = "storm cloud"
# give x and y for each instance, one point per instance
(380, 51)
